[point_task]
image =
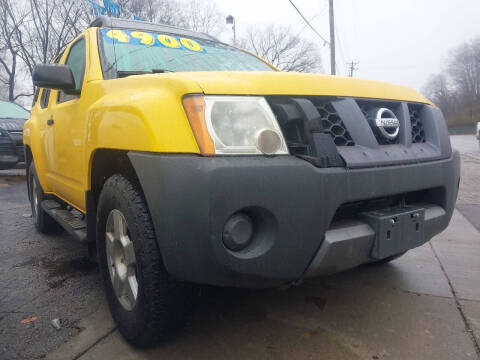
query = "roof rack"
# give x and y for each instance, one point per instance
(116, 23)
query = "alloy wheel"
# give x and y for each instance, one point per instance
(122, 263)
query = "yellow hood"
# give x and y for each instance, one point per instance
(286, 83)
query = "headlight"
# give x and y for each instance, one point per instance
(234, 125)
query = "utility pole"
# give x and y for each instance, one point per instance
(332, 39)
(352, 66)
(231, 20)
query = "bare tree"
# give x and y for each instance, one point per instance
(12, 19)
(441, 92)
(457, 89)
(197, 15)
(75, 16)
(158, 11)
(201, 15)
(464, 70)
(3, 92)
(280, 47)
(48, 27)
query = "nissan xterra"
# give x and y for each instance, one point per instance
(181, 160)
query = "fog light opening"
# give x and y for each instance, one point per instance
(238, 232)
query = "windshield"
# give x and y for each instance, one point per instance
(130, 52)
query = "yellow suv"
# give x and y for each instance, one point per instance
(181, 160)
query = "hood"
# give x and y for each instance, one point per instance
(12, 124)
(287, 83)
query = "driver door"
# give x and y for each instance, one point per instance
(68, 115)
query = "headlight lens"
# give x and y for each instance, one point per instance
(238, 125)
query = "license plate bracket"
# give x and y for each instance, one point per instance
(396, 229)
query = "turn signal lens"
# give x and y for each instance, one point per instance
(195, 108)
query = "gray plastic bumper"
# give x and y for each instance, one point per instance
(293, 203)
(348, 244)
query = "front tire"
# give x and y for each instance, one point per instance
(146, 303)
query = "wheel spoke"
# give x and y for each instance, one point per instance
(110, 241)
(129, 252)
(119, 225)
(131, 290)
(118, 285)
(110, 237)
(110, 248)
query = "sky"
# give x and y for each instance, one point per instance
(403, 42)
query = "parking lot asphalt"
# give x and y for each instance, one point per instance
(425, 305)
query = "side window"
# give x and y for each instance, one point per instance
(35, 96)
(76, 61)
(44, 98)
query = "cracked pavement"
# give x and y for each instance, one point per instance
(425, 305)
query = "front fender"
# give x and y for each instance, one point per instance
(146, 120)
(34, 138)
(151, 120)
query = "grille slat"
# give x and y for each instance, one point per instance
(6, 149)
(332, 124)
(20, 153)
(418, 131)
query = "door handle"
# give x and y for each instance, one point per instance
(50, 121)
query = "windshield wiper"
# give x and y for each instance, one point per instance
(161, 71)
(125, 73)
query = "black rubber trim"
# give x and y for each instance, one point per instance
(91, 216)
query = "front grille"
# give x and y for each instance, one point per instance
(330, 131)
(17, 137)
(20, 153)
(12, 144)
(6, 147)
(332, 124)
(418, 131)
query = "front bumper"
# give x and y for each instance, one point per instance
(301, 216)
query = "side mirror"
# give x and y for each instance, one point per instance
(54, 76)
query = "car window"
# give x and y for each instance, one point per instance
(76, 62)
(35, 96)
(44, 98)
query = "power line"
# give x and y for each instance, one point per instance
(308, 23)
(320, 13)
(305, 26)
